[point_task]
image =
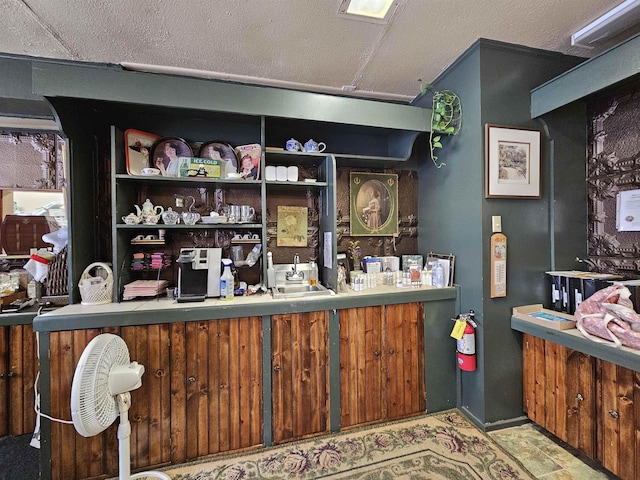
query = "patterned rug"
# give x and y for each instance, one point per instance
(443, 445)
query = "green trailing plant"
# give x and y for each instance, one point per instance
(446, 118)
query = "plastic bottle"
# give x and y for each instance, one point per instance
(271, 273)
(226, 281)
(427, 277)
(313, 273)
(438, 275)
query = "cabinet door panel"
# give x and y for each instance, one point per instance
(559, 391)
(223, 364)
(553, 370)
(300, 375)
(618, 424)
(404, 353)
(4, 381)
(73, 456)
(18, 369)
(362, 397)
(580, 401)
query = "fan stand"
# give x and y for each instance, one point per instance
(124, 447)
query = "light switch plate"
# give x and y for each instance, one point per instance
(496, 223)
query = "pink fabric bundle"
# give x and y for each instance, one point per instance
(608, 314)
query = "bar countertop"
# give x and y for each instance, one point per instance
(162, 310)
(572, 338)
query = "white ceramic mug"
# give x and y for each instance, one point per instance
(247, 213)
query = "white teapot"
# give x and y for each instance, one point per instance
(150, 213)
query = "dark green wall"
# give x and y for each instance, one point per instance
(493, 80)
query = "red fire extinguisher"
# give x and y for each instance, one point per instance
(466, 346)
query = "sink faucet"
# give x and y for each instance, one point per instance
(294, 274)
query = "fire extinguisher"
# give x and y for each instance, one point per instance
(466, 346)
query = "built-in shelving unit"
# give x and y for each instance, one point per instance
(96, 103)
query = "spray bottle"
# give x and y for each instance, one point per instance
(226, 281)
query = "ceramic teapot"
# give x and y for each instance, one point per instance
(150, 213)
(170, 217)
(132, 219)
(293, 145)
(313, 146)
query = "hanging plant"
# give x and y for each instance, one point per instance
(446, 118)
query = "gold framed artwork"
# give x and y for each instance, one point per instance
(512, 162)
(292, 226)
(373, 200)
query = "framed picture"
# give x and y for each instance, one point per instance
(512, 162)
(447, 262)
(373, 199)
(166, 154)
(138, 150)
(222, 151)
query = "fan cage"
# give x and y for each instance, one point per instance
(93, 407)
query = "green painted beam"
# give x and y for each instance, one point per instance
(112, 83)
(617, 64)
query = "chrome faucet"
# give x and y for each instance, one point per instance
(294, 274)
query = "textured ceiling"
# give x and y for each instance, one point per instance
(297, 43)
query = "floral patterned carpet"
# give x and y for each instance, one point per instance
(443, 446)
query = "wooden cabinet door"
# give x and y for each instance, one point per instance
(618, 447)
(362, 390)
(76, 457)
(381, 363)
(18, 369)
(216, 386)
(404, 354)
(580, 383)
(5, 415)
(300, 375)
(559, 391)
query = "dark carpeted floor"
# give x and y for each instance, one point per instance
(18, 460)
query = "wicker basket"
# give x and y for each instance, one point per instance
(99, 292)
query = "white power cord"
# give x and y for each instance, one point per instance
(35, 439)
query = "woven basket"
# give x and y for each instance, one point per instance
(57, 277)
(99, 293)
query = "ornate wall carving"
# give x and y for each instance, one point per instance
(31, 161)
(613, 165)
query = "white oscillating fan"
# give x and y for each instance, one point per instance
(100, 392)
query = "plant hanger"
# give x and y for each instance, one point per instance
(446, 118)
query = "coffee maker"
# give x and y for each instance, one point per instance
(199, 274)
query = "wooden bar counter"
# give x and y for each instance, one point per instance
(584, 393)
(224, 377)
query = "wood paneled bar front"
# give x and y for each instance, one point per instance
(225, 377)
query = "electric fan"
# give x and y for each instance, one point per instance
(100, 392)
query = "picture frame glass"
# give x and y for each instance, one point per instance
(374, 204)
(512, 162)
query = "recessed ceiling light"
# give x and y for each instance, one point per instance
(369, 10)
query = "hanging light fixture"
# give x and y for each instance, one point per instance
(615, 21)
